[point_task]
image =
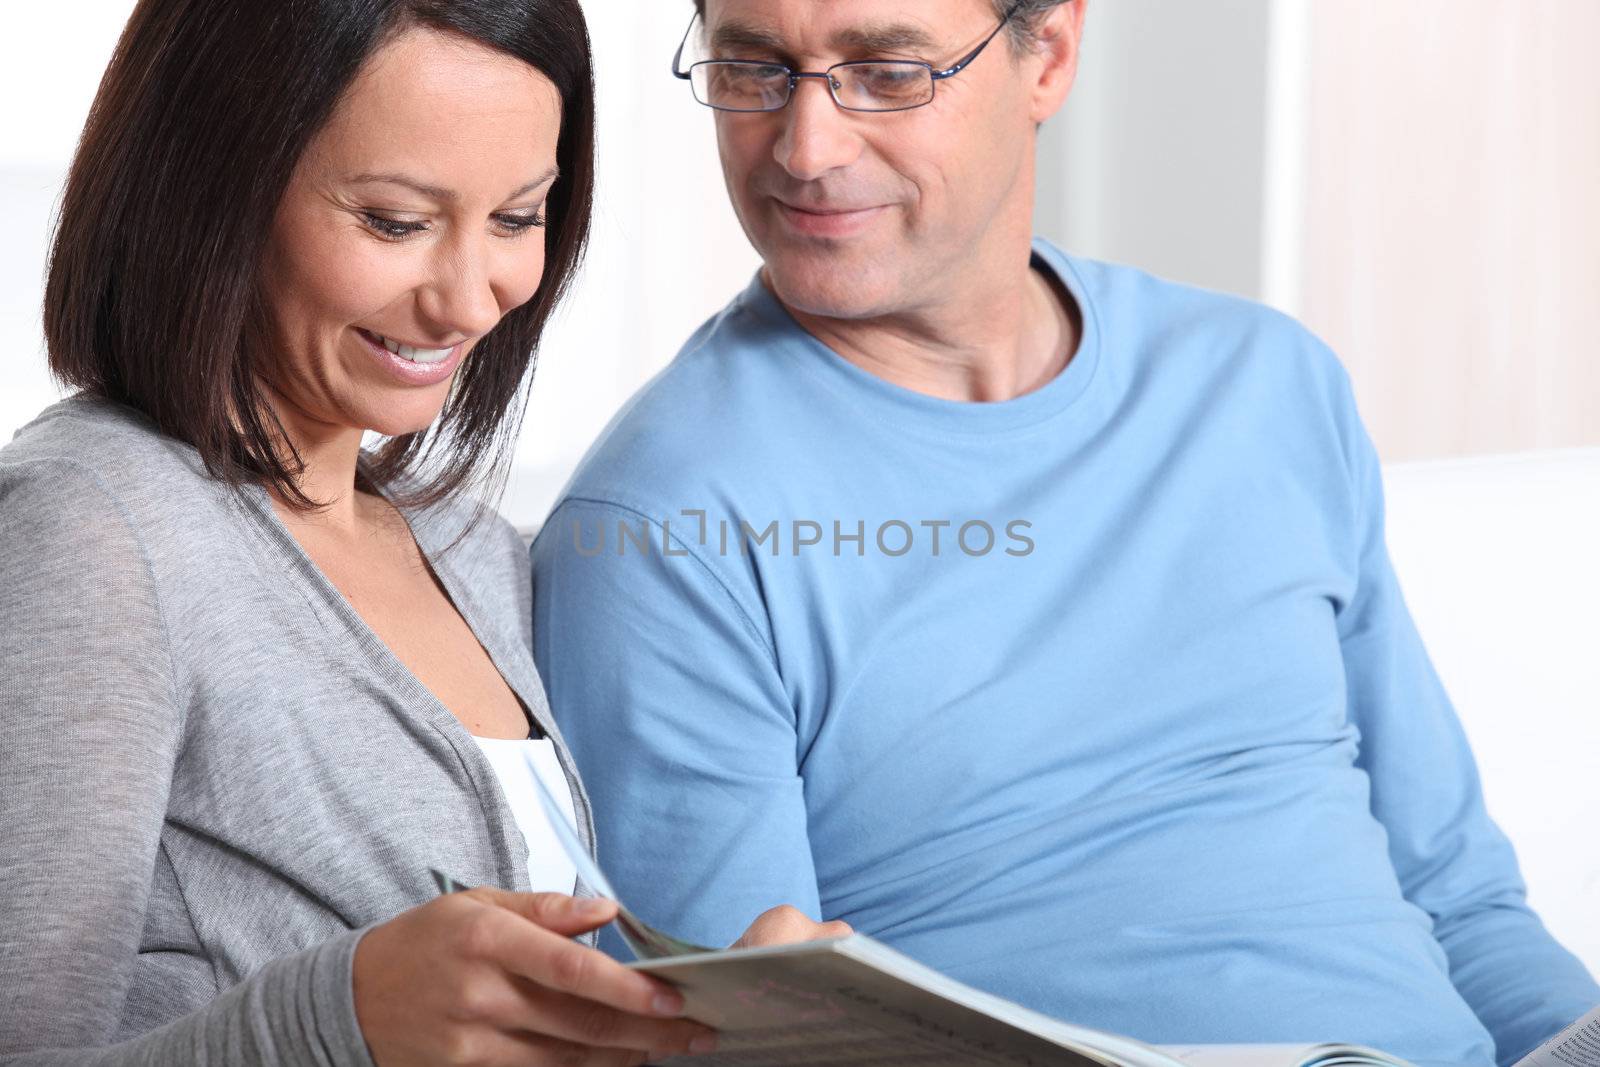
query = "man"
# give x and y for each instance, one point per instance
(1030, 614)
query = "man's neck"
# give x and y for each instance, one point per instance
(1010, 338)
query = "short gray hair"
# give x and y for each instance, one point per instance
(1024, 22)
(1021, 27)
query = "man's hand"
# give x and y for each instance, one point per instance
(785, 925)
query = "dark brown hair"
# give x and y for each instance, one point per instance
(153, 298)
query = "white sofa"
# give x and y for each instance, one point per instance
(1500, 562)
(1499, 559)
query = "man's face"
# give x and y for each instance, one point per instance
(865, 214)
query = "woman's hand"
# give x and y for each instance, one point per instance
(785, 925)
(489, 978)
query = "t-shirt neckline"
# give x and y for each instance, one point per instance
(1046, 402)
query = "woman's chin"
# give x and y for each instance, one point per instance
(402, 418)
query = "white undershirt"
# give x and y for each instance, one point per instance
(549, 869)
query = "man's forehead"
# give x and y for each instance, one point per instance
(839, 25)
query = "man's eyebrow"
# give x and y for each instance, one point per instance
(447, 196)
(732, 36)
(857, 40)
(885, 37)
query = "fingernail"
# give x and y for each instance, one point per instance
(591, 907)
(667, 1004)
(703, 1044)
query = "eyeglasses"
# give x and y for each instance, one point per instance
(859, 85)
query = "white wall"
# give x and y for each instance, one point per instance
(668, 251)
(1159, 157)
(1452, 219)
(47, 81)
(1416, 181)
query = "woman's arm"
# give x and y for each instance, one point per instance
(91, 721)
(91, 714)
(89, 726)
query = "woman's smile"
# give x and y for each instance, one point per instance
(409, 364)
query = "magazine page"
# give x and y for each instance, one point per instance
(1281, 1056)
(839, 1002)
(1576, 1046)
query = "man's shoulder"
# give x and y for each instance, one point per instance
(1135, 308)
(1171, 341)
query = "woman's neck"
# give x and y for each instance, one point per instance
(327, 474)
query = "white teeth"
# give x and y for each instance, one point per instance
(416, 355)
(422, 355)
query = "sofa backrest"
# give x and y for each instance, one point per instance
(1499, 560)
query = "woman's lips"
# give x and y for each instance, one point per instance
(404, 370)
(827, 222)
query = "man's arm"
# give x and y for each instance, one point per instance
(1453, 862)
(663, 679)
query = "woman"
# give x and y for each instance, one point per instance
(255, 682)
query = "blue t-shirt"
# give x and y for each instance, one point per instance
(1103, 698)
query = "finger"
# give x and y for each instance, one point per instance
(538, 1050)
(495, 1049)
(587, 1023)
(777, 926)
(544, 957)
(558, 912)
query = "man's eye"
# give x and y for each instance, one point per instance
(741, 72)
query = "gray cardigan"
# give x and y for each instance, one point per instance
(213, 775)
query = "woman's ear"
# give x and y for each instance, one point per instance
(1057, 37)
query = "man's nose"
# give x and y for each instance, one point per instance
(817, 137)
(461, 296)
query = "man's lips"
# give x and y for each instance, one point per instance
(827, 221)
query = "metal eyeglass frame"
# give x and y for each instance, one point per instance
(936, 75)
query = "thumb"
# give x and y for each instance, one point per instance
(556, 912)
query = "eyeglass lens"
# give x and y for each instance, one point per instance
(745, 86)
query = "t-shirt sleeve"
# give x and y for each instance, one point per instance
(1452, 860)
(667, 689)
(90, 723)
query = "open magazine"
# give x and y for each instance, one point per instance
(852, 1000)
(1576, 1046)
(856, 1001)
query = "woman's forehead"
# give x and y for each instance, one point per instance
(450, 107)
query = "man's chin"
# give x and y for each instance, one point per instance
(835, 287)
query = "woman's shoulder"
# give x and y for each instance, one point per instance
(469, 535)
(482, 549)
(109, 443)
(90, 479)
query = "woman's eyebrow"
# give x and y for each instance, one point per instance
(448, 196)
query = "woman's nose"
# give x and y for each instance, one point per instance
(460, 297)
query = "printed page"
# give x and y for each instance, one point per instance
(1576, 1046)
(817, 1003)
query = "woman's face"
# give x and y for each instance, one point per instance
(413, 222)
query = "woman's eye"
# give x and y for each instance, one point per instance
(520, 222)
(392, 229)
